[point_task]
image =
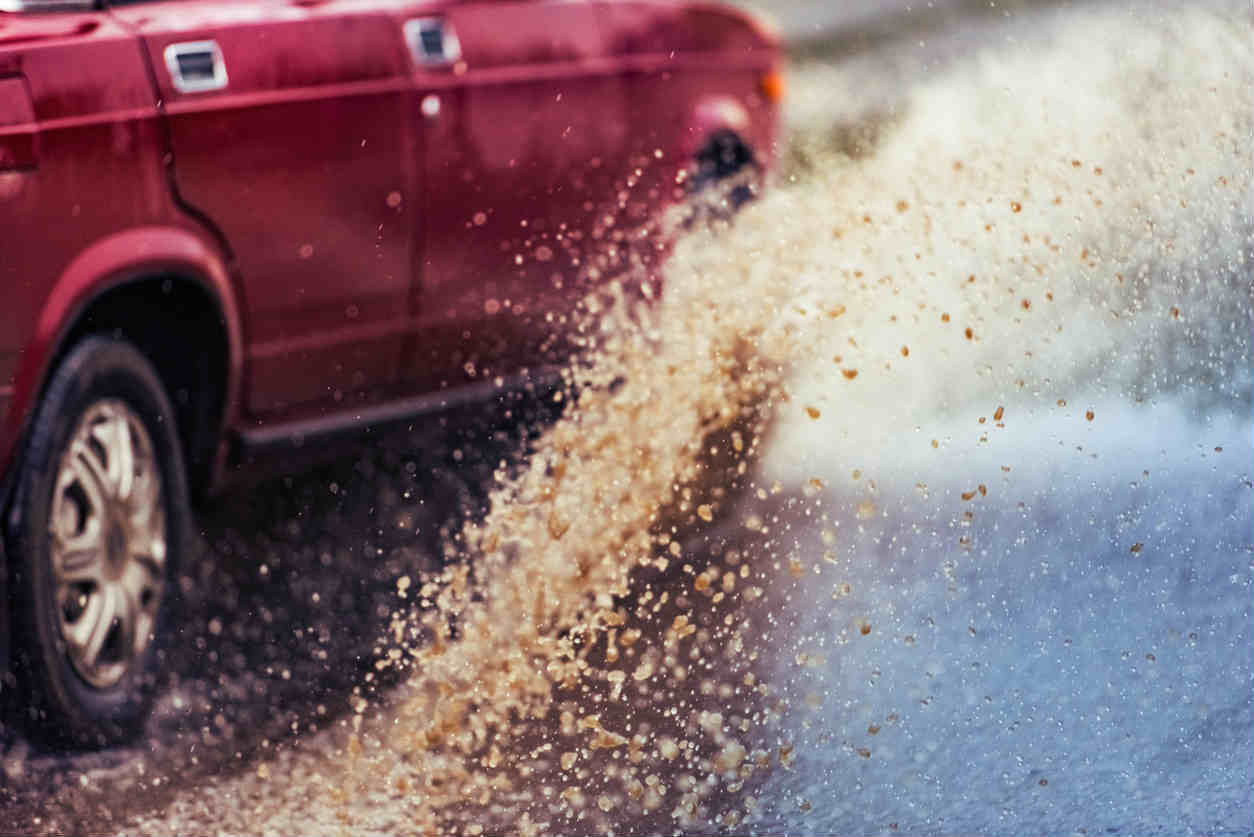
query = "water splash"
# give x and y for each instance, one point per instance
(1036, 226)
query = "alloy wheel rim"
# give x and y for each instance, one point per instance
(107, 543)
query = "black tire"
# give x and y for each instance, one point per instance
(725, 177)
(60, 703)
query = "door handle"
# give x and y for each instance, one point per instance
(196, 66)
(432, 41)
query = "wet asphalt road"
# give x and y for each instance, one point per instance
(294, 580)
(291, 584)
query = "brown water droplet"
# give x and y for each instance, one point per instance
(558, 525)
(849, 374)
(1136, 547)
(813, 412)
(1088, 415)
(1001, 411)
(905, 351)
(864, 629)
(606, 740)
(1015, 206)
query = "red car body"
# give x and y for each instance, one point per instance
(316, 216)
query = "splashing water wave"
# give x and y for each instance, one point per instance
(1038, 222)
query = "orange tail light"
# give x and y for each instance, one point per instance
(772, 86)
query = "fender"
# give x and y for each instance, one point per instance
(115, 260)
(756, 124)
(712, 115)
(749, 105)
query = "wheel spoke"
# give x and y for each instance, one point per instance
(142, 631)
(92, 474)
(153, 552)
(144, 499)
(141, 576)
(142, 585)
(114, 436)
(79, 558)
(128, 614)
(90, 631)
(124, 456)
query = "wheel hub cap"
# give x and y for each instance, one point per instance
(107, 542)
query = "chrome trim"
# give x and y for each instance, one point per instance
(452, 47)
(175, 51)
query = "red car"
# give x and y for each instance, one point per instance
(230, 227)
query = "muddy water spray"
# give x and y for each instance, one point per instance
(1026, 219)
(1009, 241)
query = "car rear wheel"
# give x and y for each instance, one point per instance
(725, 177)
(101, 520)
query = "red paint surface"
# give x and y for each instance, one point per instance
(362, 248)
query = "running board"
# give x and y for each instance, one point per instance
(348, 424)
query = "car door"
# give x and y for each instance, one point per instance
(520, 118)
(288, 133)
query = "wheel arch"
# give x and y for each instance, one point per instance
(714, 116)
(138, 267)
